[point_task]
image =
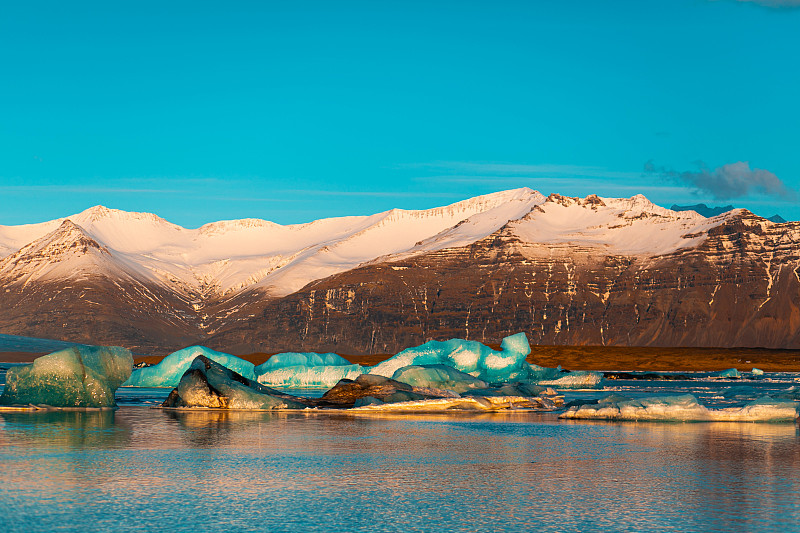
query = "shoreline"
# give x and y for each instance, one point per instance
(620, 358)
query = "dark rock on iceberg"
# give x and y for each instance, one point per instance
(386, 390)
(209, 384)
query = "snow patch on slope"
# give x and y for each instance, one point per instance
(626, 226)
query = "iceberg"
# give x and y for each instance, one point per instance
(168, 372)
(470, 403)
(282, 360)
(683, 408)
(369, 388)
(470, 357)
(757, 372)
(438, 377)
(307, 370)
(208, 384)
(581, 379)
(731, 373)
(79, 377)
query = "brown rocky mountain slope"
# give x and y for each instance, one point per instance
(566, 271)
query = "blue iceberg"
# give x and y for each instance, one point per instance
(168, 372)
(306, 370)
(731, 373)
(77, 377)
(470, 357)
(438, 377)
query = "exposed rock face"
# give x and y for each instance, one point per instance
(67, 286)
(599, 271)
(739, 287)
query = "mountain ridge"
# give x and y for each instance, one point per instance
(226, 282)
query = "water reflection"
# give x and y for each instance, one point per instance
(214, 429)
(310, 471)
(64, 429)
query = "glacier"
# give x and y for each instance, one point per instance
(684, 408)
(306, 370)
(470, 357)
(208, 384)
(76, 377)
(169, 371)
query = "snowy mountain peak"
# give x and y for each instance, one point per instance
(225, 226)
(67, 238)
(233, 255)
(104, 216)
(64, 252)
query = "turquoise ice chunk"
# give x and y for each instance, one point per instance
(311, 377)
(470, 357)
(168, 372)
(81, 376)
(306, 370)
(282, 360)
(730, 373)
(438, 377)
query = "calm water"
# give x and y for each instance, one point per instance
(141, 469)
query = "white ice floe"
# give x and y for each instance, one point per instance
(683, 408)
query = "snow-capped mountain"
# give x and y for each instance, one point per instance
(358, 283)
(223, 257)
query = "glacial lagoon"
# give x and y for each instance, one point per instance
(144, 469)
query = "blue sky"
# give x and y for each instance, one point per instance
(290, 111)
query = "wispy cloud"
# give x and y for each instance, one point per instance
(734, 180)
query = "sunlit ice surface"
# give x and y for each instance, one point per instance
(142, 469)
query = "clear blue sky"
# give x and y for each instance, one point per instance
(295, 110)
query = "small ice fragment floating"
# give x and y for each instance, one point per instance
(582, 379)
(168, 372)
(731, 373)
(684, 408)
(77, 377)
(757, 372)
(306, 369)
